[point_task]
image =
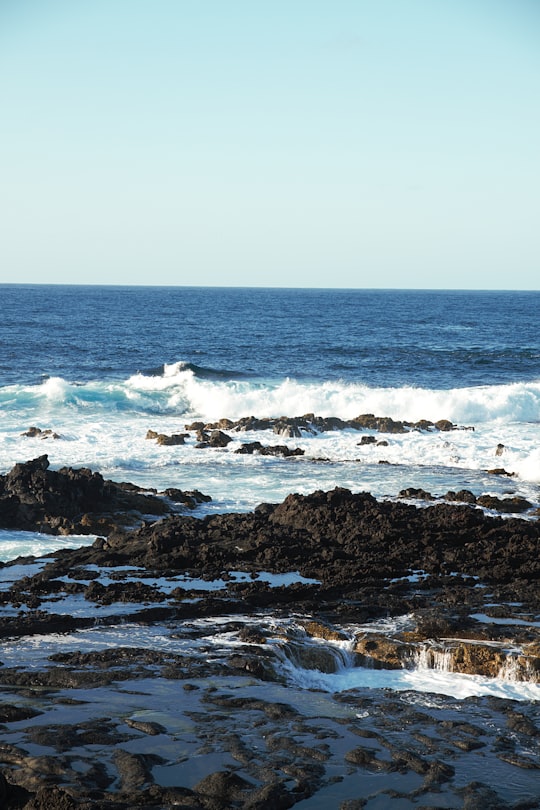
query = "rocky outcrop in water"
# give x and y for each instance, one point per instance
(249, 448)
(74, 501)
(310, 423)
(39, 433)
(165, 439)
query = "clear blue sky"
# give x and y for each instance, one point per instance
(318, 143)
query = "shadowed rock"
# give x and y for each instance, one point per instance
(71, 501)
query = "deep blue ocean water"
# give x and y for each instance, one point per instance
(377, 337)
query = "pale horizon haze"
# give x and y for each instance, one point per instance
(356, 144)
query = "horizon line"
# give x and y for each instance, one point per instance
(136, 285)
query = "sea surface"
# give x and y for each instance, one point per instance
(101, 365)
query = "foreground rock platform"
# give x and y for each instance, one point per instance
(153, 668)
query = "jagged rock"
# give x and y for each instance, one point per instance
(290, 431)
(272, 796)
(419, 494)
(292, 427)
(253, 665)
(51, 798)
(166, 440)
(424, 424)
(463, 496)
(464, 657)
(250, 448)
(196, 426)
(512, 505)
(191, 498)
(219, 439)
(319, 630)
(35, 498)
(215, 439)
(146, 727)
(367, 440)
(252, 423)
(225, 424)
(367, 758)
(445, 425)
(225, 786)
(134, 769)
(383, 424)
(10, 714)
(38, 433)
(170, 441)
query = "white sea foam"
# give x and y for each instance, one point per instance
(15, 544)
(180, 390)
(236, 398)
(420, 679)
(103, 426)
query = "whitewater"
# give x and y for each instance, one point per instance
(102, 424)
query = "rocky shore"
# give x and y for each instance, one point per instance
(169, 683)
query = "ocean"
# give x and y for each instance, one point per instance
(94, 368)
(100, 366)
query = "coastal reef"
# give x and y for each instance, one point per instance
(206, 662)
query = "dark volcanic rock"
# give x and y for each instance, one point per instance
(70, 501)
(250, 448)
(166, 440)
(292, 427)
(38, 433)
(370, 559)
(510, 505)
(346, 541)
(191, 498)
(171, 441)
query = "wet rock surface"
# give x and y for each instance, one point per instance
(310, 423)
(153, 668)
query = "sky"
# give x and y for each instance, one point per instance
(287, 143)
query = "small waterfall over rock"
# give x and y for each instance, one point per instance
(315, 654)
(311, 653)
(434, 657)
(520, 668)
(460, 656)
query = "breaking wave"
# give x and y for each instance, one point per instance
(194, 392)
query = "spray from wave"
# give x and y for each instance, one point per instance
(194, 392)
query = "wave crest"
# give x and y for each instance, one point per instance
(182, 391)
